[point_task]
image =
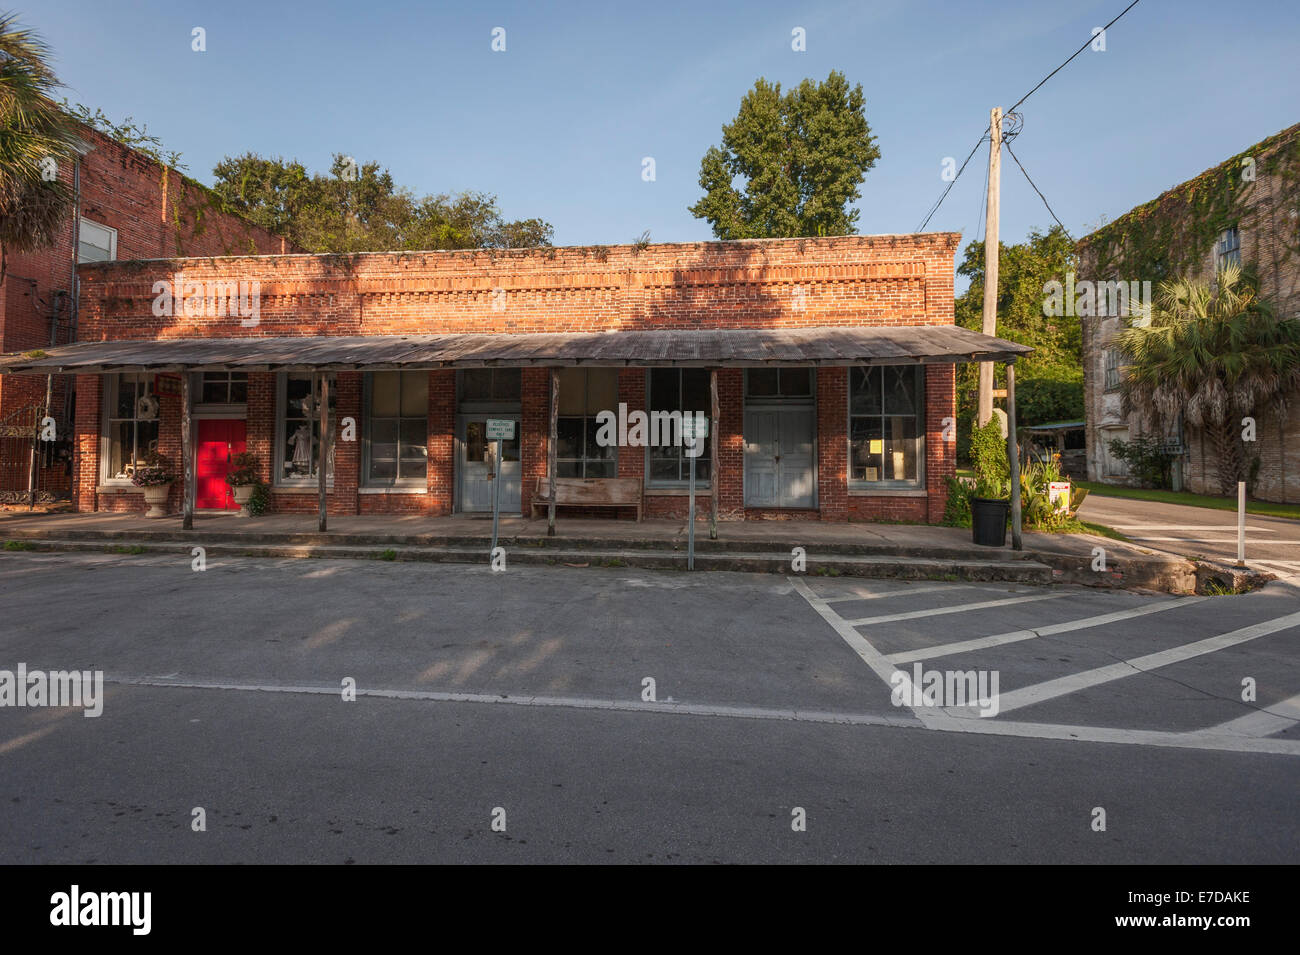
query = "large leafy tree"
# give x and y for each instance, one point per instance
(799, 158)
(1049, 382)
(34, 133)
(1214, 353)
(359, 208)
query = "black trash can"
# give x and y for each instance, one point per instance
(988, 521)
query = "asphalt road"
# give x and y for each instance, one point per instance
(1272, 543)
(522, 697)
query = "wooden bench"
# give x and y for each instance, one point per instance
(590, 492)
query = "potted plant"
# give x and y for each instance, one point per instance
(155, 478)
(991, 505)
(243, 479)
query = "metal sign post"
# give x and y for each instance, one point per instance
(694, 430)
(498, 430)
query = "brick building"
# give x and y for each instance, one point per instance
(1253, 206)
(127, 206)
(831, 360)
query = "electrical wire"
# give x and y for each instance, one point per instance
(1040, 194)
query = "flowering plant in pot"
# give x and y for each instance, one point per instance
(243, 479)
(991, 504)
(155, 478)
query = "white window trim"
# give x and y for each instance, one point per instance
(112, 238)
(921, 439)
(404, 485)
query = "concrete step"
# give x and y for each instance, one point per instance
(663, 558)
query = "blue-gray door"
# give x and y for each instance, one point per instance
(779, 457)
(475, 463)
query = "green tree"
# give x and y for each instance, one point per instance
(358, 207)
(34, 132)
(1049, 382)
(800, 156)
(1213, 353)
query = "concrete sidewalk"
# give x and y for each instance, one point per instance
(854, 549)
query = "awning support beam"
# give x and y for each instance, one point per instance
(187, 455)
(550, 451)
(322, 465)
(715, 476)
(1013, 455)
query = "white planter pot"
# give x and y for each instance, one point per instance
(242, 493)
(156, 498)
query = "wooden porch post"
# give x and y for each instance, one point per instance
(714, 477)
(187, 455)
(550, 451)
(322, 466)
(1013, 453)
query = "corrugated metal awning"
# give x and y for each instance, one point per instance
(728, 347)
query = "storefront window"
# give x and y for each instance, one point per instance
(584, 393)
(685, 390)
(298, 428)
(132, 424)
(397, 426)
(886, 425)
(224, 388)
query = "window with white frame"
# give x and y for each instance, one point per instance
(130, 425)
(1229, 250)
(95, 242)
(684, 390)
(886, 426)
(297, 453)
(397, 427)
(584, 393)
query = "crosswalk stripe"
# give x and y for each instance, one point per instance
(937, 611)
(877, 594)
(1151, 661)
(1270, 719)
(1014, 636)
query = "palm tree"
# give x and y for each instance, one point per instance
(1214, 353)
(33, 131)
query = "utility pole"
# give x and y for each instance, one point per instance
(991, 260)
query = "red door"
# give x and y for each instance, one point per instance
(219, 439)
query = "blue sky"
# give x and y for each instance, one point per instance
(557, 125)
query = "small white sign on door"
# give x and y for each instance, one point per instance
(499, 429)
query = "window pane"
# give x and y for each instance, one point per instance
(415, 394)
(475, 443)
(864, 390)
(900, 449)
(900, 389)
(383, 470)
(510, 450)
(866, 456)
(594, 450)
(695, 391)
(602, 390)
(762, 382)
(568, 469)
(413, 435)
(216, 392)
(600, 469)
(663, 469)
(384, 394)
(298, 402)
(126, 393)
(239, 389)
(568, 433)
(796, 381)
(506, 384)
(664, 386)
(475, 384)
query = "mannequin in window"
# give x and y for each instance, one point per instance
(301, 443)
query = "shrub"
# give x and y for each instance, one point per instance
(244, 472)
(259, 502)
(956, 510)
(1148, 460)
(156, 472)
(988, 454)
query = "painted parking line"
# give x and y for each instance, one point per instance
(1216, 528)
(938, 611)
(877, 594)
(1015, 636)
(1052, 689)
(1264, 722)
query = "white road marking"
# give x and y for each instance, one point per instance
(1151, 661)
(1206, 539)
(934, 722)
(1014, 636)
(937, 611)
(1216, 528)
(1263, 722)
(876, 594)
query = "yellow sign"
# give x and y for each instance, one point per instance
(877, 446)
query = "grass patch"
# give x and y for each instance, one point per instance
(613, 562)
(389, 554)
(1262, 508)
(19, 545)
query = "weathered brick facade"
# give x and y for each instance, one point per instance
(843, 281)
(155, 212)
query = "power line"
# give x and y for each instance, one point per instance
(1040, 193)
(935, 208)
